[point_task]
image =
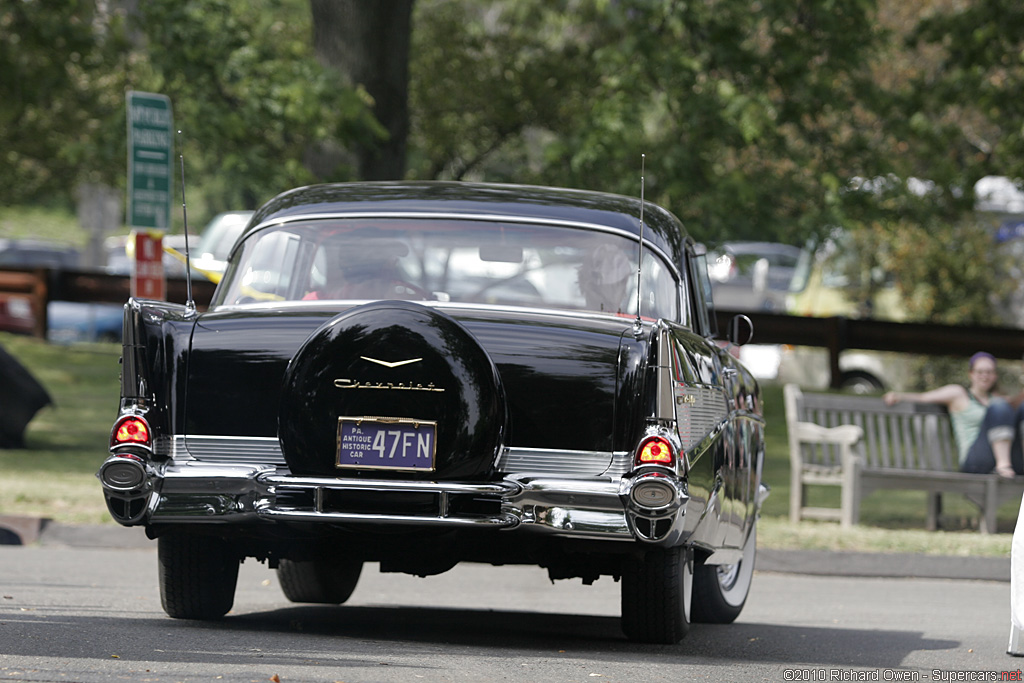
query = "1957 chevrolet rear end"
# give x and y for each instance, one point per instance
(422, 374)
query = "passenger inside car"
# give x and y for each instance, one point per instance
(604, 278)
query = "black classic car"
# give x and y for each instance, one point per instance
(422, 374)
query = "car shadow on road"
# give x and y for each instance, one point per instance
(597, 636)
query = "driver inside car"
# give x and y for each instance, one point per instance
(369, 270)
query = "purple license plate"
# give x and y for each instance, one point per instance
(386, 443)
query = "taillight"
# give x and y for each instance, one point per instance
(130, 430)
(655, 451)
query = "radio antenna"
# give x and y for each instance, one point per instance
(190, 304)
(640, 252)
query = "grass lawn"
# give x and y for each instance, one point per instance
(54, 476)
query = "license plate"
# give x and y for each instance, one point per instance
(386, 443)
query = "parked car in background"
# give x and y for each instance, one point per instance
(821, 288)
(37, 254)
(208, 250)
(74, 321)
(821, 285)
(422, 374)
(752, 276)
(210, 255)
(67, 321)
(120, 254)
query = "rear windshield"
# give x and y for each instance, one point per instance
(459, 261)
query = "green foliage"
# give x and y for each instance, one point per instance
(53, 225)
(62, 71)
(758, 120)
(246, 91)
(748, 118)
(248, 94)
(974, 100)
(950, 272)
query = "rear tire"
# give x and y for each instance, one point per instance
(860, 382)
(656, 593)
(318, 581)
(198, 575)
(720, 591)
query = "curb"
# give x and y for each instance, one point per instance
(23, 530)
(883, 565)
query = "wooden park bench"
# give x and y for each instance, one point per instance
(862, 445)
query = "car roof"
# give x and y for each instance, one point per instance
(479, 200)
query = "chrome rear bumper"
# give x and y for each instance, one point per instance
(603, 508)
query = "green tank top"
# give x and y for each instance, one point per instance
(967, 424)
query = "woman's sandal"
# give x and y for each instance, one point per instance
(1006, 472)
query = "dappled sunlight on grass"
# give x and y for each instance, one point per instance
(779, 533)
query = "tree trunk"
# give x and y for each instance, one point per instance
(368, 42)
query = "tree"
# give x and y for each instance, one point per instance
(952, 75)
(972, 101)
(248, 94)
(62, 72)
(368, 43)
(246, 90)
(752, 122)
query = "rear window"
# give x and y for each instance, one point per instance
(459, 261)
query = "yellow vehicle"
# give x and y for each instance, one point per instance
(821, 287)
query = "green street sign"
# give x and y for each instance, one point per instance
(150, 163)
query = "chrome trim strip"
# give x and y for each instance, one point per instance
(442, 305)
(266, 512)
(238, 450)
(564, 463)
(489, 217)
(578, 508)
(249, 450)
(701, 411)
(297, 482)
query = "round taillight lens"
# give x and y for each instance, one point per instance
(130, 430)
(655, 451)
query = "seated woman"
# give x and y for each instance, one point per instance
(986, 425)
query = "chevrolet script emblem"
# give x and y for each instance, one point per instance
(345, 383)
(388, 364)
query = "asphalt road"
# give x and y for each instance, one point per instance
(93, 614)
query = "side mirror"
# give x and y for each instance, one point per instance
(741, 330)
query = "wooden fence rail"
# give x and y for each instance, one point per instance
(835, 334)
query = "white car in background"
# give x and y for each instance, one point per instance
(211, 253)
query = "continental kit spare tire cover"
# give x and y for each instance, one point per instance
(382, 370)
